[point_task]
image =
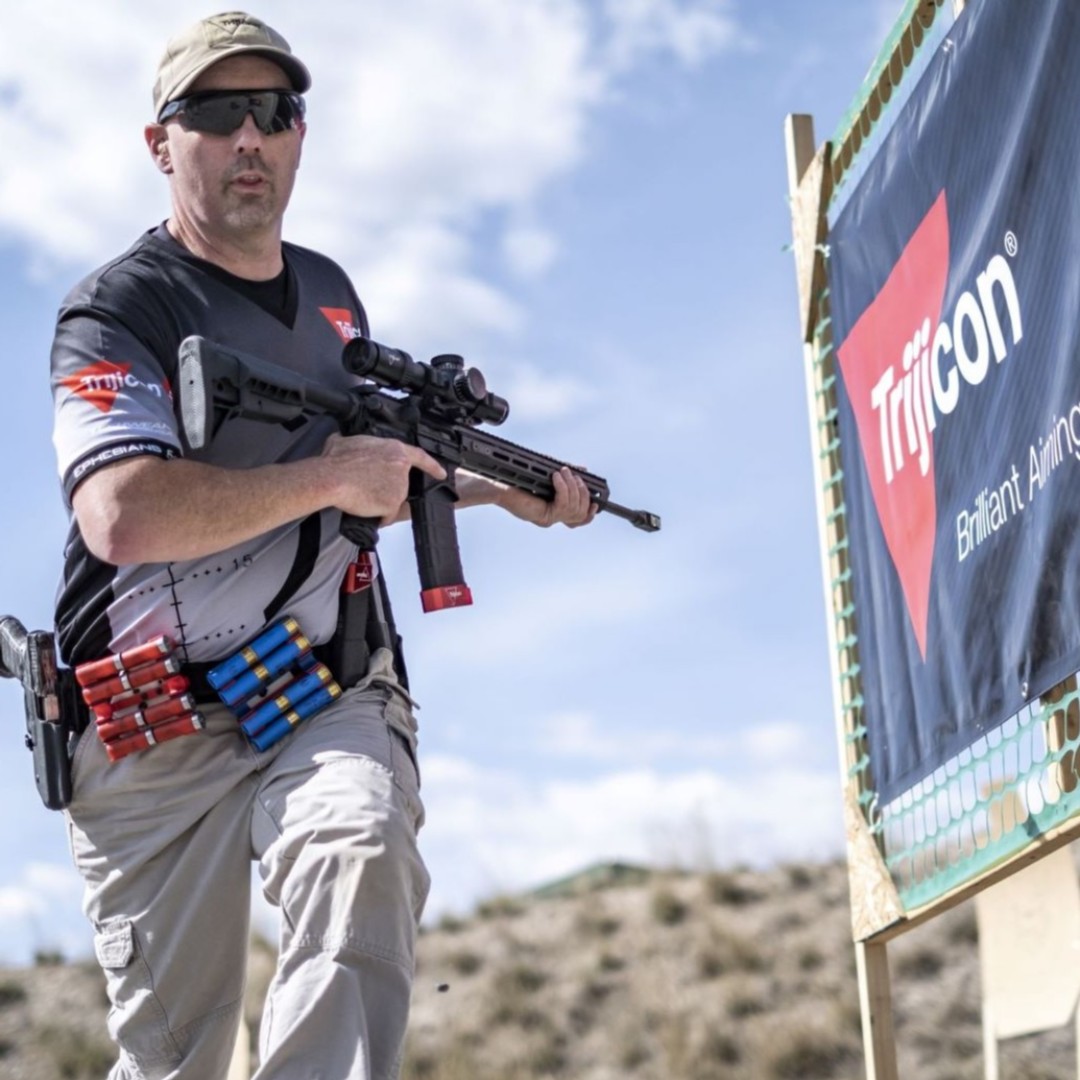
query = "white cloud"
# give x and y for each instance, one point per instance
(529, 250)
(491, 831)
(17, 902)
(578, 736)
(37, 886)
(531, 618)
(774, 740)
(40, 910)
(546, 395)
(692, 32)
(429, 119)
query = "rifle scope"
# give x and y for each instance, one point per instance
(446, 377)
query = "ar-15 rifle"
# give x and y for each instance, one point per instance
(52, 708)
(437, 409)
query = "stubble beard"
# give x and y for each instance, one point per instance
(247, 212)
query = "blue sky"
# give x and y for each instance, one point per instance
(588, 201)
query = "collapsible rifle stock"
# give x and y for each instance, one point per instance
(434, 406)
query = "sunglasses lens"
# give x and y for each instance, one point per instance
(223, 113)
(287, 113)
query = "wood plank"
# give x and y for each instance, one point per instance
(1029, 947)
(875, 1000)
(875, 903)
(809, 227)
(874, 895)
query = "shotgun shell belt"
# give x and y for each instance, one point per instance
(274, 683)
(138, 698)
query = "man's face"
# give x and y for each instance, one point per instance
(234, 184)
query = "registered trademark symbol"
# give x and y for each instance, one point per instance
(1012, 245)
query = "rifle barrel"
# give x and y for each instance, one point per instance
(645, 520)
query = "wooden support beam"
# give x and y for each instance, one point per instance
(875, 903)
(875, 1001)
(809, 183)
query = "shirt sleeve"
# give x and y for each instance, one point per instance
(112, 397)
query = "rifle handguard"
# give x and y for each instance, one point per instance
(435, 406)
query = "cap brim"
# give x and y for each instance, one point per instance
(298, 74)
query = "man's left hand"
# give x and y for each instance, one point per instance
(571, 506)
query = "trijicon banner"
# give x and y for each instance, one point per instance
(955, 286)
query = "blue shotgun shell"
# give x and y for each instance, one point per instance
(256, 678)
(289, 698)
(281, 727)
(251, 654)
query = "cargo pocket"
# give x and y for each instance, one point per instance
(137, 1021)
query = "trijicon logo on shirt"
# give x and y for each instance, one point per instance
(101, 384)
(341, 319)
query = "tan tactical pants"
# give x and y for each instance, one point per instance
(164, 840)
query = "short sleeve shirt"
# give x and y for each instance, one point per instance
(114, 367)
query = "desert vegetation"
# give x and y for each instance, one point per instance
(650, 975)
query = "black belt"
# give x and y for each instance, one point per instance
(199, 686)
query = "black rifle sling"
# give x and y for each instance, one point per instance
(307, 554)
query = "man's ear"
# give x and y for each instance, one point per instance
(157, 141)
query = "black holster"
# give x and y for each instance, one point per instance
(55, 715)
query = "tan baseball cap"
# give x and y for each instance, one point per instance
(212, 39)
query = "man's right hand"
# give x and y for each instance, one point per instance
(146, 510)
(372, 474)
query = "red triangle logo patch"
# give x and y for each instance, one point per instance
(889, 336)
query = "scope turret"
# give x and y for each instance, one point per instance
(445, 379)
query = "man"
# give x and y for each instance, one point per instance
(209, 548)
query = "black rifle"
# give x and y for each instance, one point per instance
(52, 708)
(434, 406)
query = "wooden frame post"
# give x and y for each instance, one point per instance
(875, 1004)
(878, 912)
(874, 902)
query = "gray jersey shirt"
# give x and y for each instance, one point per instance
(114, 363)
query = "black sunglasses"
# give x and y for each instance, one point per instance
(221, 112)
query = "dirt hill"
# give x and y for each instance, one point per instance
(642, 975)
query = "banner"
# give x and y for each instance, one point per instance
(954, 272)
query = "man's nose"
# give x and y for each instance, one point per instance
(248, 138)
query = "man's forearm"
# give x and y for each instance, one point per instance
(473, 490)
(149, 510)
